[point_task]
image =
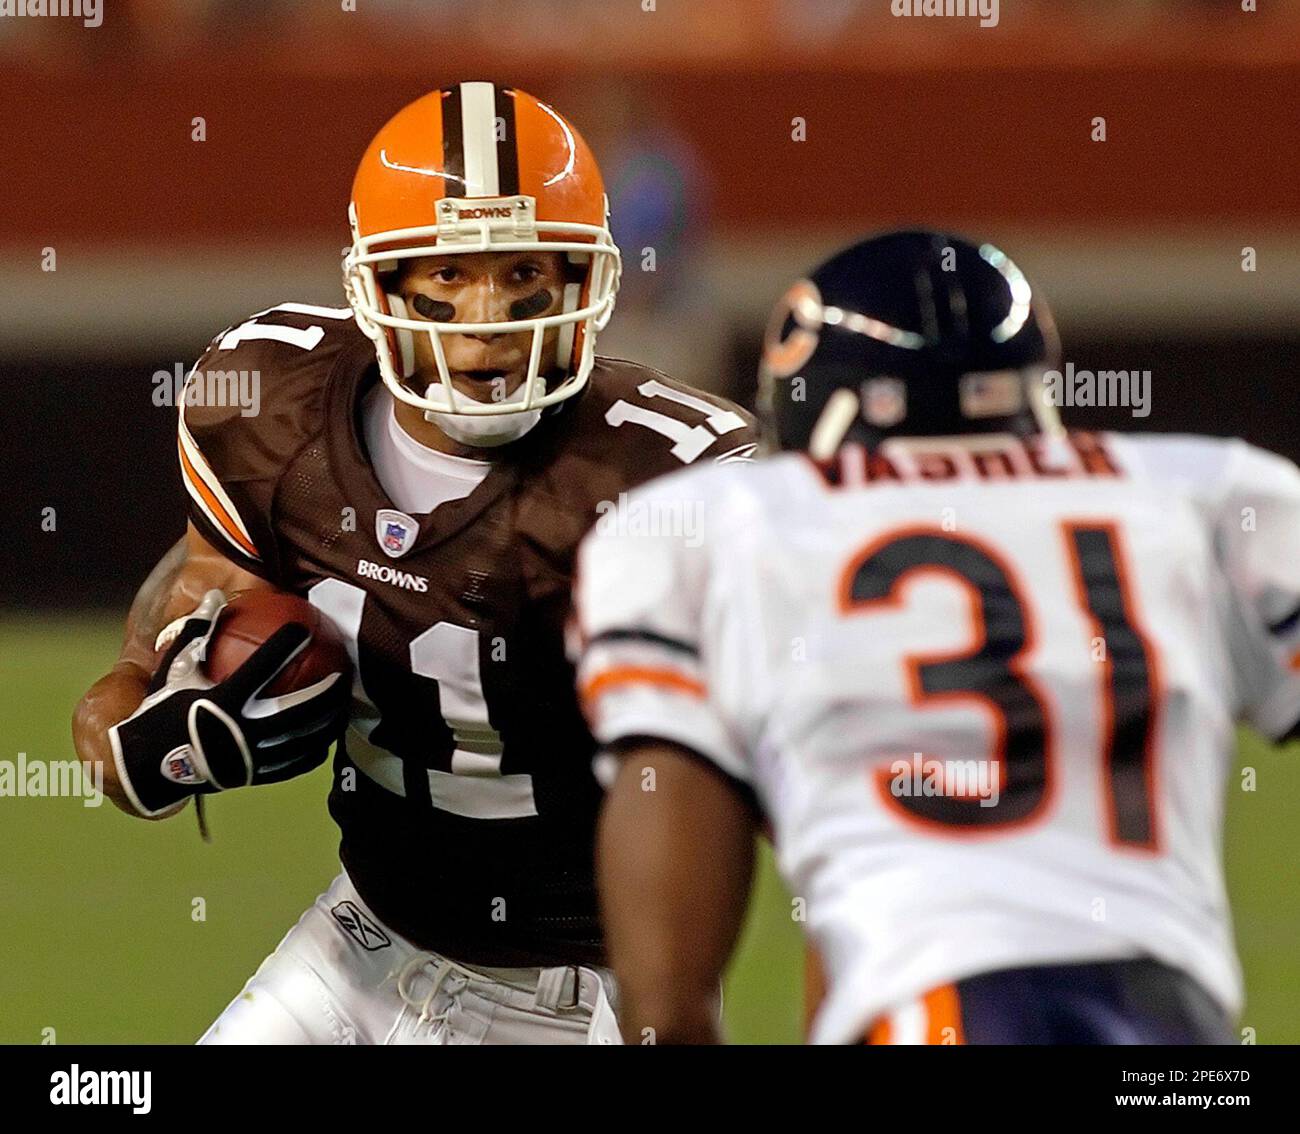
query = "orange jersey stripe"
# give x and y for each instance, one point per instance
(942, 1007)
(943, 1016)
(227, 524)
(633, 675)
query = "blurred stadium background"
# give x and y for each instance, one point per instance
(160, 241)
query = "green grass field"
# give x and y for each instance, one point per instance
(99, 941)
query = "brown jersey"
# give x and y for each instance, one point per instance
(463, 789)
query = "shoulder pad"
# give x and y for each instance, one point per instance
(251, 401)
(653, 424)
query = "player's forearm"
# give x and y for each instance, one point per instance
(118, 694)
(112, 699)
(666, 1013)
(674, 858)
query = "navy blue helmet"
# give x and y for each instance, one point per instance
(910, 334)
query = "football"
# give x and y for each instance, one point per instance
(251, 617)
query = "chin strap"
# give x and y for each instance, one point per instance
(487, 431)
(202, 817)
(484, 432)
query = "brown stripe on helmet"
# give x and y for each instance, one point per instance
(507, 145)
(453, 144)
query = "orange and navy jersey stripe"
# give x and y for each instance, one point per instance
(659, 676)
(650, 669)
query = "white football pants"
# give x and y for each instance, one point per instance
(340, 976)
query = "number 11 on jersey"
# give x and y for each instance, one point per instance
(447, 654)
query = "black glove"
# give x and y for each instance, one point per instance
(192, 736)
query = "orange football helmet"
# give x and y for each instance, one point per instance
(480, 168)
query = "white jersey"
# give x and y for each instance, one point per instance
(986, 699)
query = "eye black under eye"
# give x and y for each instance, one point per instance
(532, 305)
(434, 309)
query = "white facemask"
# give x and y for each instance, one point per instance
(486, 431)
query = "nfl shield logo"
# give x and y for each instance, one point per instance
(179, 768)
(396, 531)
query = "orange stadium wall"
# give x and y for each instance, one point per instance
(162, 240)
